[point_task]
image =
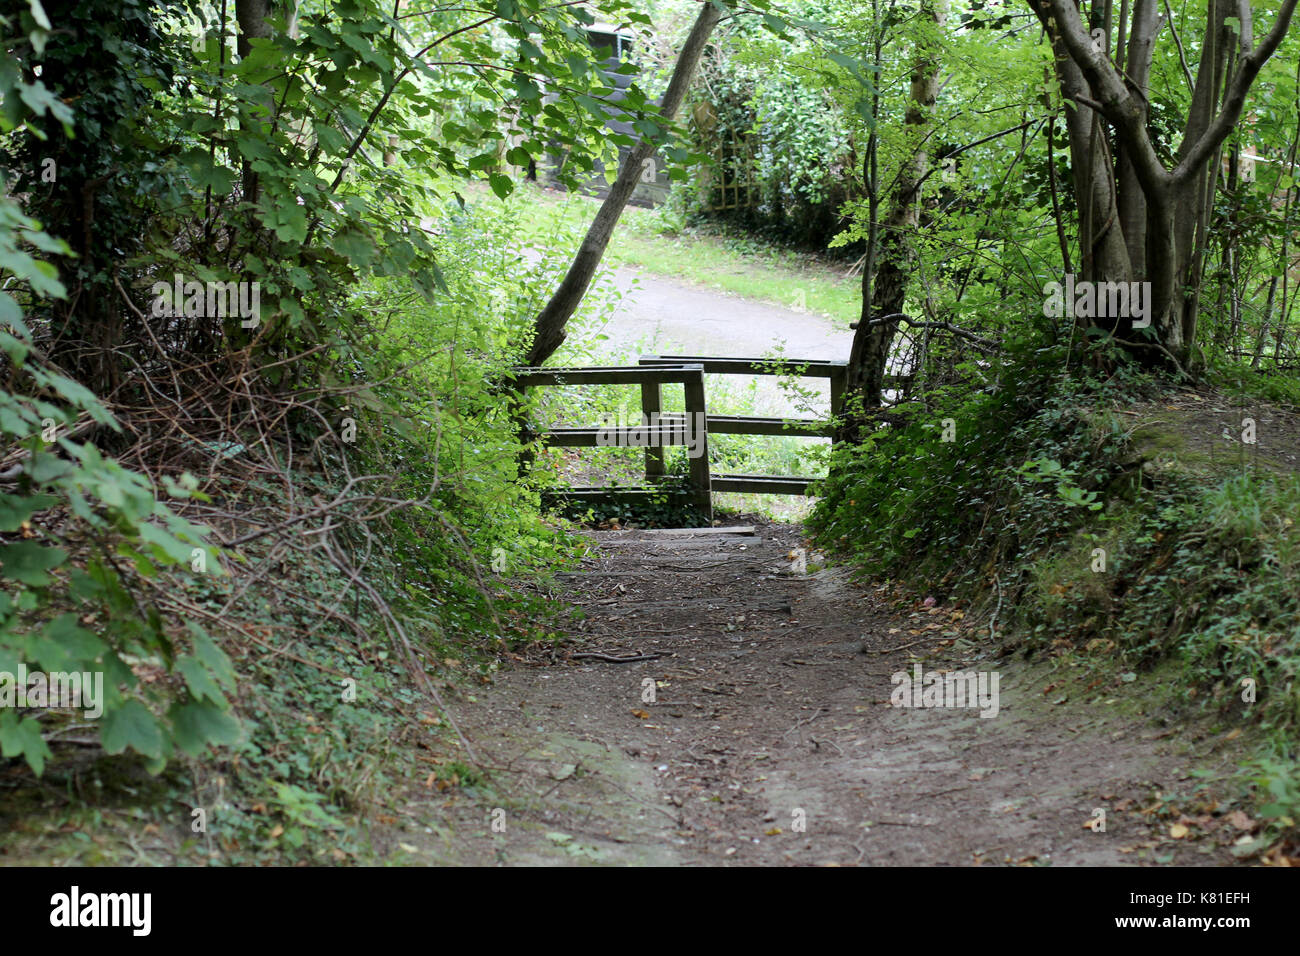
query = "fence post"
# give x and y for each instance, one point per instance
(839, 377)
(652, 403)
(516, 396)
(697, 425)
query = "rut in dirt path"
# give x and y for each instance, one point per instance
(771, 738)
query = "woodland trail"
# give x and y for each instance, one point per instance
(772, 739)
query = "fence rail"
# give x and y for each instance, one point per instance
(660, 429)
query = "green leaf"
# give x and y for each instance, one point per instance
(166, 544)
(23, 737)
(501, 184)
(80, 396)
(197, 724)
(12, 315)
(131, 725)
(15, 509)
(78, 643)
(212, 657)
(27, 562)
(45, 468)
(207, 175)
(199, 681)
(332, 142)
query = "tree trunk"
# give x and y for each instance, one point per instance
(252, 16)
(885, 291)
(1103, 254)
(1129, 196)
(1154, 225)
(549, 326)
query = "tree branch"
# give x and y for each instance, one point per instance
(1248, 68)
(987, 344)
(1178, 42)
(1116, 103)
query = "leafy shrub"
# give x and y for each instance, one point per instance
(64, 495)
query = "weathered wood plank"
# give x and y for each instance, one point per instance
(609, 375)
(761, 484)
(753, 425)
(667, 434)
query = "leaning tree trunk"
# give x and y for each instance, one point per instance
(549, 326)
(885, 287)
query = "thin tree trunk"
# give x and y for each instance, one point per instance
(254, 23)
(1102, 250)
(1130, 198)
(549, 326)
(869, 358)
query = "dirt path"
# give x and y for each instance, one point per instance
(772, 739)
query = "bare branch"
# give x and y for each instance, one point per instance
(1178, 42)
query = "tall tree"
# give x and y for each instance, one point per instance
(886, 276)
(107, 59)
(255, 23)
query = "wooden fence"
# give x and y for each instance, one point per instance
(662, 430)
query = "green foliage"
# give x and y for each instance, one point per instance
(48, 605)
(766, 117)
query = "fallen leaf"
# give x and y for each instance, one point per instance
(1178, 831)
(1239, 821)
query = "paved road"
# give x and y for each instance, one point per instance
(663, 316)
(702, 321)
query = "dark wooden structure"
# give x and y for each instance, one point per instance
(655, 371)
